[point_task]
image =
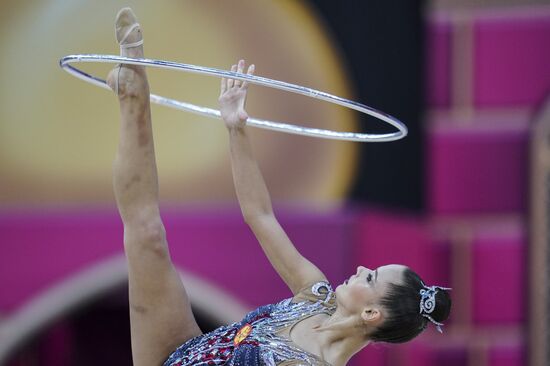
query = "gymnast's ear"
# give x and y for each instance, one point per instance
(372, 316)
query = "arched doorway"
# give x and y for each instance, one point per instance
(84, 320)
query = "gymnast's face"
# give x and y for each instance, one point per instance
(362, 292)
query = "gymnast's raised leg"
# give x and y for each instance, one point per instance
(160, 312)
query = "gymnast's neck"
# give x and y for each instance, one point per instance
(339, 337)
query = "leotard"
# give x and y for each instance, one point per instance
(257, 340)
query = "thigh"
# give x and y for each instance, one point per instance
(160, 311)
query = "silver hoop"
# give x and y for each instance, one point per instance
(401, 132)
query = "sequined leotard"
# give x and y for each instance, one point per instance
(257, 339)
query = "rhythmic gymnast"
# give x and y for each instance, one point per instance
(317, 326)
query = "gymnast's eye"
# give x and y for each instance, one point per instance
(369, 277)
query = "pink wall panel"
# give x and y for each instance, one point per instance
(39, 250)
(438, 62)
(499, 275)
(477, 169)
(435, 350)
(226, 252)
(511, 58)
(373, 355)
(384, 238)
(509, 354)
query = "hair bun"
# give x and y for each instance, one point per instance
(442, 306)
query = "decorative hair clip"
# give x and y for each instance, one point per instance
(427, 303)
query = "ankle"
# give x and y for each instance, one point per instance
(136, 90)
(129, 82)
(134, 52)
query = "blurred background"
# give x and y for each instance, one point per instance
(463, 200)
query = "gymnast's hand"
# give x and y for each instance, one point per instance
(233, 97)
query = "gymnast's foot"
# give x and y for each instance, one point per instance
(128, 80)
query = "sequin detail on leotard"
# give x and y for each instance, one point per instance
(254, 341)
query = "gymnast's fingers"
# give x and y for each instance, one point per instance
(240, 68)
(230, 82)
(250, 71)
(223, 86)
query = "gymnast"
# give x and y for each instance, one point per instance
(317, 326)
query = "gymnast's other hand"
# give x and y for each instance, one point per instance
(233, 98)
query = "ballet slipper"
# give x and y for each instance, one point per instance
(128, 35)
(125, 25)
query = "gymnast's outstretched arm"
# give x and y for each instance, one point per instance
(160, 313)
(252, 192)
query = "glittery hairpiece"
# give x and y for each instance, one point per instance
(427, 303)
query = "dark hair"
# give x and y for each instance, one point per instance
(402, 306)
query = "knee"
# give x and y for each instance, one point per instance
(153, 231)
(146, 237)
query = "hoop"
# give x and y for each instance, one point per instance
(66, 61)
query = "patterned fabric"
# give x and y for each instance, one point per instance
(256, 340)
